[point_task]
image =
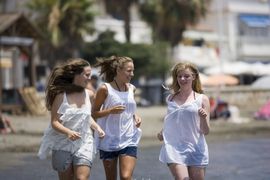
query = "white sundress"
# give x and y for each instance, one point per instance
(77, 119)
(183, 141)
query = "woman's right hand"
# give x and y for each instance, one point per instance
(160, 136)
(73, 135)
(117, 109)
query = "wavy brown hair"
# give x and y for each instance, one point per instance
(196, 84)
(61, 79)
(109, 66)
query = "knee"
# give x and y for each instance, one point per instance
(182, 178)
(82, 177)
(125, 176)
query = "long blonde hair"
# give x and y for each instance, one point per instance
(109, 66)
(61, 79)
(196, 84)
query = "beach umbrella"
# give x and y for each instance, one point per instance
(220, 80)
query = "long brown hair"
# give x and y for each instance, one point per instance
(61, 79)
(196, 84)
(109, 66)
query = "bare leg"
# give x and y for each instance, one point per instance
(82, 172)
(127, 165)
(196, 173)
(67, 174)
(179, 171)
(110, 167)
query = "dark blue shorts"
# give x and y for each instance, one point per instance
(127, 151)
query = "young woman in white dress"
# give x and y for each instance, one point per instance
(186, 123)
(69, 136)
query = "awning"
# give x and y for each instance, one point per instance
(255, 20)
(238, 68)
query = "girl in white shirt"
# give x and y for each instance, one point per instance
(185, 150)
(114, 109)
(69, 135)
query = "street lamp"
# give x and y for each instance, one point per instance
(1, 96)
(220, 32)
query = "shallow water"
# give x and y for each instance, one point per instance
(247, 159)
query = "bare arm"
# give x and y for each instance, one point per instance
(137, 119)
(101, 95)
(97, 128)
(160, 135)
(55, 121)
(204, 113)
(93, 124)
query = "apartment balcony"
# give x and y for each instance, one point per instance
(254, 48)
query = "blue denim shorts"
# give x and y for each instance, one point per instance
(127, 151)
(61, 160)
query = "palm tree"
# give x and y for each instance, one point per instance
(121, 9)
(169, 19)
(65, 22)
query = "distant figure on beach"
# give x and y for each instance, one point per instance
(5, 125)
(186, 123)
(115, 111)
(69, 135)
(219, 109)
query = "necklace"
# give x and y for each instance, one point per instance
(118, 86)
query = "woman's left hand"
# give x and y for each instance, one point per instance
(101, 133)
(202, 113)
(138, 120)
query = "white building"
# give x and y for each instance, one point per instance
(239, 28)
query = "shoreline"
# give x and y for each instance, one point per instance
(29, 130)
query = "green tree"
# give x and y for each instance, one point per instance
(104, 46)
(169, 19)
(159, 64)
(149, 60)
(64, 22)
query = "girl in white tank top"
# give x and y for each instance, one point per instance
(114, 109)
(120, 129)
(186, 123)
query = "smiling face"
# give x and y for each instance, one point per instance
(185, 77)
(83, 78)
(126, 73)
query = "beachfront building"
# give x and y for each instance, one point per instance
(239, 30)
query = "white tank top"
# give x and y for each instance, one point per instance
(120, 128)
(77, 119)
(183, 141)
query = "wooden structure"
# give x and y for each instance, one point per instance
(16, 31)
(34, 103)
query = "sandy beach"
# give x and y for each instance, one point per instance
(29, 129)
